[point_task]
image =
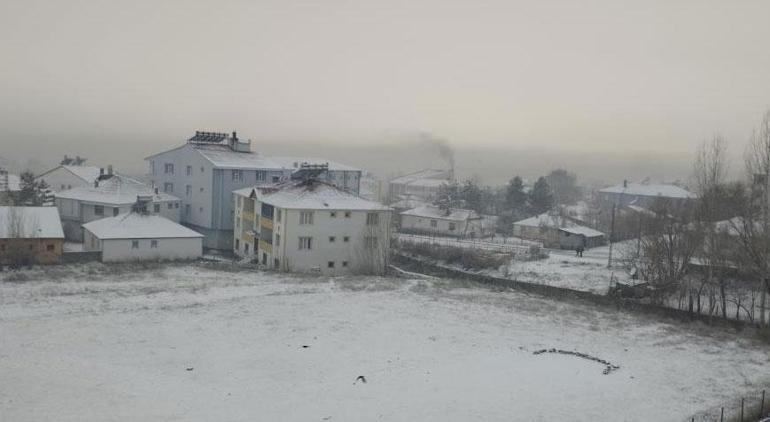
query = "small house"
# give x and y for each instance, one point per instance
(30, 235)
(557, 231)
(435, 221)
(140, 236)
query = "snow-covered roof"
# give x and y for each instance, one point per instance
(409, 203)
(419, 176)
(33, 222)
(222, 156)
(638, 189)
(582, 230)
(546, 219)
(431, 211)
(138, 226)
(116, 190)
(87, 173)
(316, 195)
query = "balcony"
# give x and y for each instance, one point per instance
(264, 246)
(247, 215)
(266, 223)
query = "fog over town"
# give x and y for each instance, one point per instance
(427, 210)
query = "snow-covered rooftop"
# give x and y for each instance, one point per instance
(419, 176)
(138, 226)
(30, 222)
(546, 219)
(296, 194)
(582, 230)
(117, 190)
(431, 211)
(638, 189)
(87, 173)
(222, 156)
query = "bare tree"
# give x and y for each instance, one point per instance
(373, 256)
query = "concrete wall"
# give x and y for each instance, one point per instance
(117, 250)
(411, 223)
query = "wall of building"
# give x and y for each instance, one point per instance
(416, 224)
(34, 249)
(199, 200)
(62, 179)
(117, 250)
(550, 237)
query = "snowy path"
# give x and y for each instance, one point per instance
(117, 348)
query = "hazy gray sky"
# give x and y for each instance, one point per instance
(117, 80)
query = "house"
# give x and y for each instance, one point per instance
(30, 235)
(432, 220)
(423, 184)
(141, 236)
(557, 231)
(109, 196)
(644, 195)
(307, 225)
(68, 176)
(580, 236)
(206, 169)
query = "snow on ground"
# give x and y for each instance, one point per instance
(190, 343)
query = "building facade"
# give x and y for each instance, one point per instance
(311, 226)
(423, 184)
(432, 220)
(644, 195)
(30, 235)
(66, 177)
(206, 170)
(109, 197)
(138, 236)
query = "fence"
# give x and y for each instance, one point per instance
(745, 409)
(513, 248)
(80, 257)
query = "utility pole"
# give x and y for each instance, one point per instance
(612, 235)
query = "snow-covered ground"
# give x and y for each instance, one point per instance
(197, 344)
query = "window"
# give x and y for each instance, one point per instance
(330, 264)
(332, 239)
(202, 169)
(433, 223)
(152, 167)
(237, 175)
(278, 215)
(62, 187)
(237, 244)
(154, 244)
(170, 206)
(261, 175)
(2, 247)
(452, 226)
(189, 170)
(115, 211)
(69, 186)
(49, 247)
(305, 243)
(98, 210)
(245, 247)
(276, 179)
(201, 189)
(188, 190)
(346, 239)
(187, 210)
(168, 187)
(370, 242)
(277, 240)
(176, 205)
(200, 209)
(347, 214)
(372, 219)
(134, 244)
(156, 208)
(345, 264)
(168, 168)
(306, 217)
(332, 214)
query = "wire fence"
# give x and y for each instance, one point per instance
(750, 408)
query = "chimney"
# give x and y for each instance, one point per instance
(625, 183)
(101, 171)
(109, 169)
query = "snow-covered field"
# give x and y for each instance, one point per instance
(190, 343)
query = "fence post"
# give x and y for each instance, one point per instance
(722, 416)
(741, 409)
(762, 405)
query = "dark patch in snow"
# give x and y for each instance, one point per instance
(190, 368)
(360, 378)
(608, 367)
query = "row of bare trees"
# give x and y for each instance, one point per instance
(712, 255)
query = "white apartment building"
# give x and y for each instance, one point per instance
(311, 226)
(205, 170)
(108, 197)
